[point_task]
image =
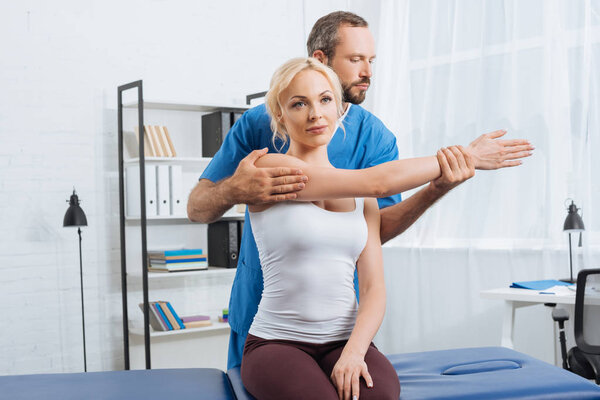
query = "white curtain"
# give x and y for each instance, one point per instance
(448, 71)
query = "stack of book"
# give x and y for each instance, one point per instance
(176, 260)
(196, 321)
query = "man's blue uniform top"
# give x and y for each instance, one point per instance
(365, 143)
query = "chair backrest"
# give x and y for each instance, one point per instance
(587, 311)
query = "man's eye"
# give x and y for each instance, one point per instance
(355, 60)
(371, 61)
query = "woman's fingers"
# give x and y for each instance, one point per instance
(355, 385)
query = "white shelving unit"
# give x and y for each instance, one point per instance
(190, 292)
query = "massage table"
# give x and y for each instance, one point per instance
(471, 373)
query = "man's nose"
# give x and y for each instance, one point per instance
(367, 70)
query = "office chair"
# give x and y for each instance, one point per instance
(583, 359)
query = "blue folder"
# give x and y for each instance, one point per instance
(539, 285)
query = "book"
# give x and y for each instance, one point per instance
(178, 266)
(168, 314)
(174, 253)
(169, 141)
(192, 318)
(175, 315)
(539, 285)
(155, 319)
(148, 149)
(197, 324)
(162, 316)
(156, 148)
(163, 141)
(177, 261)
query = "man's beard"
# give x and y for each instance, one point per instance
(349, 97)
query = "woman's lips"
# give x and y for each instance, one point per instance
(317, 129)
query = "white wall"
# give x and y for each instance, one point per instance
(60, 65)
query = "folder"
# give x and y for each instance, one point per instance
(162, 190)
(132, 189)
(177, 203)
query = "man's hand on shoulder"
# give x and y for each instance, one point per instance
(491, 152)
(253, 185)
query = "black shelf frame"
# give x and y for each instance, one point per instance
(143, 222)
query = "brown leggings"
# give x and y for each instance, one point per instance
(286, 369)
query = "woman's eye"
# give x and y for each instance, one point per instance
(298, 104)
(326, 99)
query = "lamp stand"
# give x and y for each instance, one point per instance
(570, 280)
(82, 309)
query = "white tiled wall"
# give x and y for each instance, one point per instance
(60, 65)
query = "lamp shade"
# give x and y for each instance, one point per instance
(573, 222)
(74, 215)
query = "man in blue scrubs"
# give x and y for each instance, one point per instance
(343, 41)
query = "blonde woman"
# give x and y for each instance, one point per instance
(310, 338)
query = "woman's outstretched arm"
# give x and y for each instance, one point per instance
(351, 364)
(379, 181)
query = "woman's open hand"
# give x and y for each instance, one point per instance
(346, 375)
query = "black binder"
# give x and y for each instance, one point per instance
(224, 239)
(214, 129)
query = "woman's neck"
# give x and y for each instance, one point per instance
(312, 155)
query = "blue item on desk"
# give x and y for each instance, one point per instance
(539, 285)
(473, 373)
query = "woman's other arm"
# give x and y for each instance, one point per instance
(351, 365)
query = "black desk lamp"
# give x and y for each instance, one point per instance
(573, 223)
(76, 217)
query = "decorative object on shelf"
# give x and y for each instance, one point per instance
(573, 223)
(225, 316)
(76, 217)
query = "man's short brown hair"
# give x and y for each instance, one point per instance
(324, 34)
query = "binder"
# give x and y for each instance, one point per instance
(132, 188)
(176, 200)
(224, 243)
(214, 129)
(162, 190)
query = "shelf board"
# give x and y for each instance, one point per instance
(160, 105)
(216, 326)
(183, 218)
(211, 271)
(199, 160)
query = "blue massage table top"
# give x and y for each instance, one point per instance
(486, 373)
(471, 373)
(475, 373)
(155, 384)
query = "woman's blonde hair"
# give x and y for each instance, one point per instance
(282, 78)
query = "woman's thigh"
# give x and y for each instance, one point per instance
(282, 371)
(385, 380)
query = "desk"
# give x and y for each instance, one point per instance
(517, 298)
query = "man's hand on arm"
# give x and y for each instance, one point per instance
(491, 152)
(249, 184)
(456, 165)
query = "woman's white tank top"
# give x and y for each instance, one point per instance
(308, 257)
